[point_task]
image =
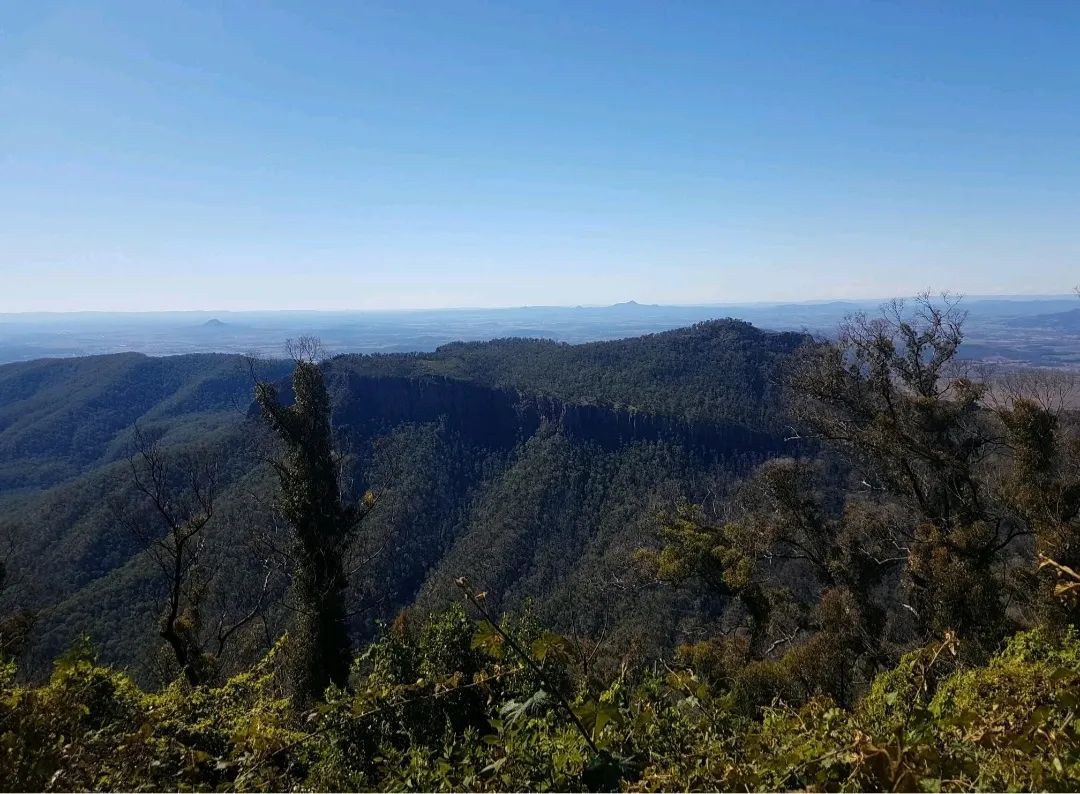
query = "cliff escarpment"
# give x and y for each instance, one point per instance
(500, 418)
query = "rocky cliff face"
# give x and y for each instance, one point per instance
(501, 418)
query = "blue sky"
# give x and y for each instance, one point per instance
(367, 155)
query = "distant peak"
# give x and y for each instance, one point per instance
(215, 323)
(632, 305)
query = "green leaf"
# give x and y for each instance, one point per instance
(644, 719)
(552, 646)
(488, 640)
(586, 714)
(606, 713)
(495, 766)
(514, 710)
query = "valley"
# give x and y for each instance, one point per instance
(534, 467)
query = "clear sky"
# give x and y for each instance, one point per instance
(317, 154)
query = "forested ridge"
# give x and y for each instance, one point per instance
(712, 558)
(718, 370)
(462, 446)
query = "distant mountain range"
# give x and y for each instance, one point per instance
(1012, 328)
(1068, 322)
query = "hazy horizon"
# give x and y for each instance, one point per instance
(346, 156)
(1017, 329)
(628, 303)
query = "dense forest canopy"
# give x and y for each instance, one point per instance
(459, 451)
(718, 370)
(708, 558)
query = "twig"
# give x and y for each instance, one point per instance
(477, 602)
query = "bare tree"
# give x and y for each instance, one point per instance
(306, 350)
(177, 493)
(1051, 391)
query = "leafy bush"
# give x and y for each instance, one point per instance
(441, 706)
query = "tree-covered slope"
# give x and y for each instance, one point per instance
(895, 611)
(60, 418)
(537, 468)
(717, 370)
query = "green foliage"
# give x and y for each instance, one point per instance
(92, 728)
(553, 518)
(61, 417)
(863, 613)
(428, 711)
(722, 369)
(323, 528)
